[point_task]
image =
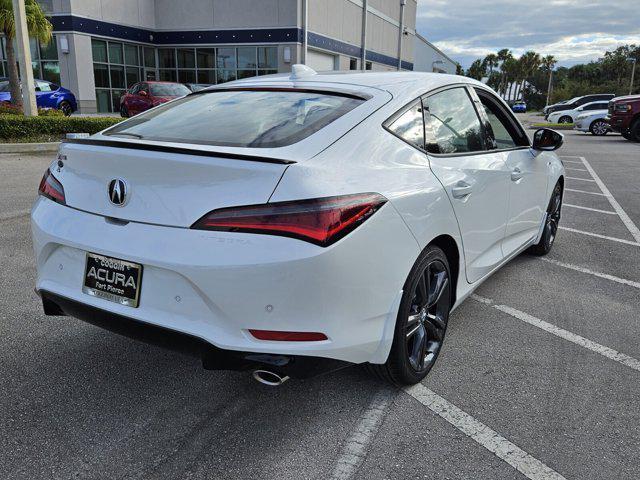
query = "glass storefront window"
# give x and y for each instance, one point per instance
(117, 77)
(149, 57)
(101, 75)
(51, 72)
(168, 75)
(246, 58)
(99, 49)
(186, 58)
(207, 76)
(226, 58)
(206, 57)
(187, 76)
(131, 55)
(103, 100)
(267, 57)
(49, 51)
(132, 76)
(115, 53)
(225, 75)
(167, 57)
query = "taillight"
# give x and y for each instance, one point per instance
(51, 188)
(322, 221)
(278, 336)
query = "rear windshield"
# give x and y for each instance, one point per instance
(239, 118)
(168, 89)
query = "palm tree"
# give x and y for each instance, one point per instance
(490, 62)
(39, 28)
(504, 56)
(529, 62)
(548, 63)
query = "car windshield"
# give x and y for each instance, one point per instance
(168, 89)
(4, 86)
(239, 118)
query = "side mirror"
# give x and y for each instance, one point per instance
(142, 93)
(547, 140)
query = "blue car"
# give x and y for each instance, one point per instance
(48, 95)
(519, 107)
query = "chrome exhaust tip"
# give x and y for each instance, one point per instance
(271, 379)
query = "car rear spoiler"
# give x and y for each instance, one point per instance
(171, 149)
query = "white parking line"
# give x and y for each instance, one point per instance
(632, 227)
(613, 239)
(609, 212)
(610, 353)
(606, 276)
(582, 179)
(584, 191)
(529, 466)
(355, 449)
(576, 169)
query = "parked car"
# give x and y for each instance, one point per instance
(624, 116)
(48, 95)
(577, 102)
(196, 87)
(519, 107)
(569, 116)
(594, 121)
(227, 223)
(145, 95)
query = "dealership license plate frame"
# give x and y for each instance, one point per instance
(129, 300)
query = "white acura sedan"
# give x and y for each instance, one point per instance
(295, 224)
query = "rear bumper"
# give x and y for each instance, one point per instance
(213, 358)
(215, 286)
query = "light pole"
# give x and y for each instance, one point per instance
(550, 85)
(633, 73)
(29, 106)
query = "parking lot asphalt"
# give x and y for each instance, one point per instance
(538, 378)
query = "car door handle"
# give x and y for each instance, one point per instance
(461, 190)
(516, 174)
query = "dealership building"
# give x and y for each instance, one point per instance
(102, 47)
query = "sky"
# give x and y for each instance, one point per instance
(574, 31)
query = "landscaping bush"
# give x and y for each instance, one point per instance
(8, 109)
(16, 128)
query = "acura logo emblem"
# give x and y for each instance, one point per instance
(118, 192)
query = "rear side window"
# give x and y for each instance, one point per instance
(239, 118)
(410, 126)
(452, 124)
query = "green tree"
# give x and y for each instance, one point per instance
(39, 28)
(477, 70)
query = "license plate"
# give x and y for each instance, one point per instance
(112, 279)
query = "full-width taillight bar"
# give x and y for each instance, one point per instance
(322, 221)
(51, 188)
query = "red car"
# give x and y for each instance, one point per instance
(145, 95)
(624, 116)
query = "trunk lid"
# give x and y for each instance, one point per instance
(170, 187)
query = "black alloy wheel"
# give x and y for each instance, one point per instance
(599, 128)
(551, 223)
(65, 107)
(565, 119)
(422, 320)
(634, 131)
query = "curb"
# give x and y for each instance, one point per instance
(29, 147)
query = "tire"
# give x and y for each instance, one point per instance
(565, 119)
(634, 131)
(65, 107)
(599, 128)
(552, 221)
(422, 320)
(124, 113)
